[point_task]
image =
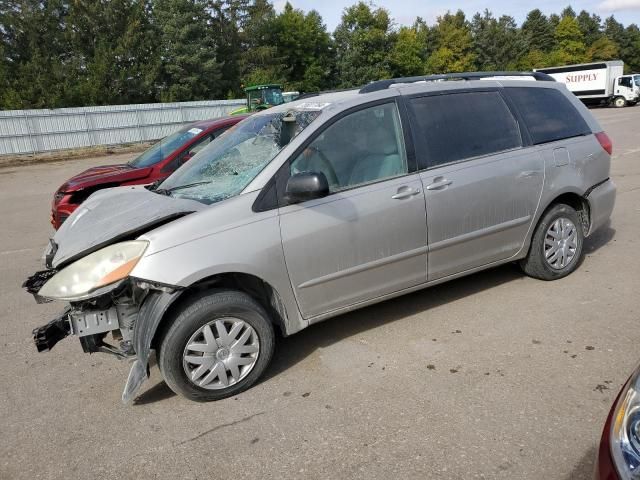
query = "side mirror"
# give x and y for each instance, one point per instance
(306, 186)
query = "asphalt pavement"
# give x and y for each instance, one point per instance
(495, 375)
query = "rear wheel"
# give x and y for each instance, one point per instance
(218, 345)
(619, 102)
(556, 246)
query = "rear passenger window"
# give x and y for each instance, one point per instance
(548, 114)
(457, 126)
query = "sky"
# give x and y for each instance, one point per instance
(405, 11)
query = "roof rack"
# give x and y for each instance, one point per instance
(385, 84)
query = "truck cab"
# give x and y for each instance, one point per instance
(626, 90)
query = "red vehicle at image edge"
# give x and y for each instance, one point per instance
(619, 450)
(156, 163)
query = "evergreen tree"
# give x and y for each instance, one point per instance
(538, 32)
(260, 60)
(498, 44)
(113, 57)
(589, 26)
(189, 69)
(630, 52)
(35, 54)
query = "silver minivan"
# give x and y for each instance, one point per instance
(321, 206)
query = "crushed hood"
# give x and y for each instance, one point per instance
(112, 215)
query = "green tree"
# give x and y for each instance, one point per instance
(224, 25)
(498, 43)
(363, 41)
(630, 51)
(602, 49)
(304, 45)
(454, 45)
(260, 62)
(533, 59)
(538, 32)
(406, 57)
(570, 42)
(35, 53)
(589, 26)
(113, 54)
(189, 69)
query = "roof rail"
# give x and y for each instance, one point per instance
(385, 84)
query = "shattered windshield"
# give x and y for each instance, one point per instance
(229, 163)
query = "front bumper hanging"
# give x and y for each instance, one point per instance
(46, 336)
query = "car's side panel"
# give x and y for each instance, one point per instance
(355, 245)
(484, 214)
(225, 238)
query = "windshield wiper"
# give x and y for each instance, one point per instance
(167, 191)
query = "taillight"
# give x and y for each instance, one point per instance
(605, 142)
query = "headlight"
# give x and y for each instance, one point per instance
(625, 431)
(101, 268)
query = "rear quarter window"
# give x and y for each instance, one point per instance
(548, 114)
(457, 126)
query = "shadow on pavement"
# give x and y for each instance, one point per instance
(160, 391)
(293, 349)
(599, 239)
(584, 469)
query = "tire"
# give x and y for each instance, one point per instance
(556, 225)
(195, 346)
(619, 102)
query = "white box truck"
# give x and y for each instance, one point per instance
(598, 83)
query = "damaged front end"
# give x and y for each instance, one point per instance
(120, 320)
(89, 263)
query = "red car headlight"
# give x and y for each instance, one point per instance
(625, 431)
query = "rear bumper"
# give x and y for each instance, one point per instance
(601, 202)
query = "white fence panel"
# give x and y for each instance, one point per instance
(35, 131)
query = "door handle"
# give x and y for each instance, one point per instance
(405, 192)
(439, 183)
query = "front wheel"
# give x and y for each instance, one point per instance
(217, 346)
(556, 246)
(619, 102)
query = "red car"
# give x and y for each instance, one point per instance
(156, 163)
(619, 451)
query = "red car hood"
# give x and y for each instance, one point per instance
(106, 174)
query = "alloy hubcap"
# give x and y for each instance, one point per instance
(220, 353)
(560, 243)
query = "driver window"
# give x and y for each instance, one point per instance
(364, 147)
(624, 81)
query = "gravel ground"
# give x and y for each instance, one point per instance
(495, 375)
